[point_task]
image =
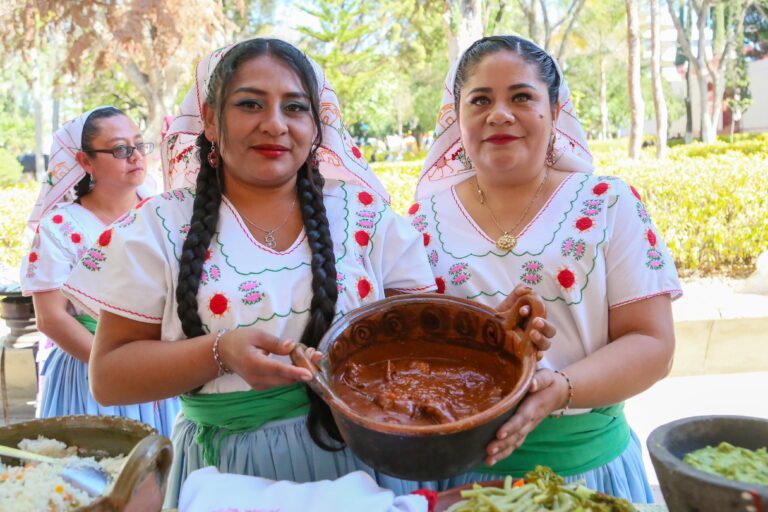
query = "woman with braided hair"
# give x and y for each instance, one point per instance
(203, 291)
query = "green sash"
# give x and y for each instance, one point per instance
(570, 445)
(224, 414)
(88, 322)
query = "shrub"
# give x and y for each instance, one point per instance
(15, 206)
(710, 202)
(10, 169)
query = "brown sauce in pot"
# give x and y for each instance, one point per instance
(423, 383)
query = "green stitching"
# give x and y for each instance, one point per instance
(267, 319)
(547, 244)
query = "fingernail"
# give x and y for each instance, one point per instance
(503, 435)
(493, 461)
(495, 451)
(288, 343)
(538, 323)
(307, 377)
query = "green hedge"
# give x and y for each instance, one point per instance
(10, 169)
(709, 202)
(15, 206)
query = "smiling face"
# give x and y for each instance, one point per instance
(267, 125)
(108, 171)
(505, 118)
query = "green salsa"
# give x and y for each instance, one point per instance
(732, 462)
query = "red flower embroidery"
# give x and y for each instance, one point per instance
(651, 236)
(105, 238)
(141, 203)
(635, 193)
(584, 223)
(566, 278)
(362, 238)
(430, 496)
(208, 255)
(365, 198)
(218, 304)
(57, 219)
(363, 287)
(76, 238)
(413, 209)
(427, 239)
(32, 257)
(440, 282)
(356, 152)
(600, 188)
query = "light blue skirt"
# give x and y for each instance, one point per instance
(65, 391)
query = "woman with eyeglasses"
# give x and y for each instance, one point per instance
(95, 176)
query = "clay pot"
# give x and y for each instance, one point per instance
(141, 484)
(687, 489)
(425, 452)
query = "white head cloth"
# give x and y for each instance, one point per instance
(338, 157)
(442, 169)
(64, 172)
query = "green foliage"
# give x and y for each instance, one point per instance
(10, 168)
(709, 202)
(15, 206)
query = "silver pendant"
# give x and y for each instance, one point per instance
(269, 239)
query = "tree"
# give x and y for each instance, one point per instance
(463, 22)
(710, 59)
(633, 79)
(154, 43)
(659, 105)
(552, 29)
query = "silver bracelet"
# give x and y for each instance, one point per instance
(223, 370)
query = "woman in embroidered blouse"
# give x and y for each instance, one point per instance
(99, 159)
(507, 196)
(286, 229)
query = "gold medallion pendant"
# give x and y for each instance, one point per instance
(506, 242)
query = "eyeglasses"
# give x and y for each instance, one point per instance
(123, 151)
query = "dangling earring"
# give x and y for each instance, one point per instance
(213, 156)
(551, 158)
(92, 182)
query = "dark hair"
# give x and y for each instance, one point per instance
(90, 132)
(309, 183)
(529, 52)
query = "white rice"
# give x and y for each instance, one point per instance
(38, 486)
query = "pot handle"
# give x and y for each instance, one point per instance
(519, 328)
(318, 384)
(152, 455)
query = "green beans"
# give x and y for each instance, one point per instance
(544, 491)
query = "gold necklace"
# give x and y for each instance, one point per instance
(269, 234)
(507, 241)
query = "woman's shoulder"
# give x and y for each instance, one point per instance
(59, 215)
(607, 186)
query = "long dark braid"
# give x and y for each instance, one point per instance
(205, 217)
(309, 184)
(325, 291)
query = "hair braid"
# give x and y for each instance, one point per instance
(324, 293)
(205, 217)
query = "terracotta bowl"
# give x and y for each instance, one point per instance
(425, 452)
(140, 486)
(687, 489)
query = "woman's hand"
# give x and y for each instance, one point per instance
(246, 351)
(543, 330)
(548, 392)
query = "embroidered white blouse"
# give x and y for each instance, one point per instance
(133, 269)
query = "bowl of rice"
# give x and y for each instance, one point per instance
(131, 452)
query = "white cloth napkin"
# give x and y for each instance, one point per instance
(207, 490)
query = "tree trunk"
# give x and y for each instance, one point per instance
(603, 99)
(463, 25)
(55, 114)
(633, 79)
(659, 104)
(688, 83)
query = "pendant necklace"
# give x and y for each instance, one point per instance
(269, 234)
(507, 241)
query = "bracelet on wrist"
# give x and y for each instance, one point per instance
(570, 392)
(223, 369)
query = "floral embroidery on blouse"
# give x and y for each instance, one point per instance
(252, 293)
(459, 273)
(340, 278)
(218, 305)
(532, 272)
(97, 255)
(364, 288)
(573, 247)
(433, 258)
